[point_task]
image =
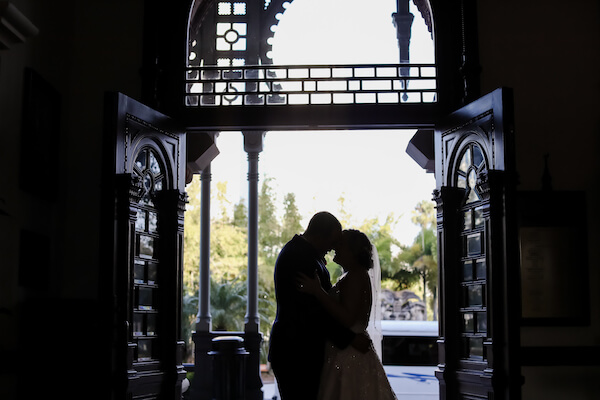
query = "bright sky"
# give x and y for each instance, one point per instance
(369, 168)
(346, 31)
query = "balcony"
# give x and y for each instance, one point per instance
(316, 96)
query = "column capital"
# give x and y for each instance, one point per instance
(253, 141)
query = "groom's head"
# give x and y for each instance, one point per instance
(324, 231)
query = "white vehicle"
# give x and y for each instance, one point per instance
(410, 358)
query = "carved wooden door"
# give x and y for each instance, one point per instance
(142, 245)
(478, 260)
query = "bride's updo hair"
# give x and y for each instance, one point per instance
(360, 246)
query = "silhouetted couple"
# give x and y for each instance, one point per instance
(319, 348)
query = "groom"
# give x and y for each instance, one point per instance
(302, 326)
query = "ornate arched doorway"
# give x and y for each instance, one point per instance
(169, 87)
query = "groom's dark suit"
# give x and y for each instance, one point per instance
(302, 326)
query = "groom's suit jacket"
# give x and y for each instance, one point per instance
(302, 326)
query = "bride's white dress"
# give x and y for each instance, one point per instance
(351, 375)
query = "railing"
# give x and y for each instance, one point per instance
(311, 84)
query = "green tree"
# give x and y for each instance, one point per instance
(191, 229)
(188, 322)
(421, 257)
(240, 215)
(424, 214)
(228, 252)
(222, 202)
(191, 260)
(228, 241)
(290, 225)
(270, 242)
(269, 230)
(267, 307)
(395, 274)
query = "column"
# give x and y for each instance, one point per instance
(202, 383)
(203, 320)
(253, 145)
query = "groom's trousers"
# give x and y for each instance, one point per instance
(297, 381)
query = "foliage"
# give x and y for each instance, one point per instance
(191, 229)
(240, 215)
(227, 304)
(269, 236)
(188, 321)
(229, 256)
(424, 214)
(228, 252)
(402, 267)
(421, 258)
(290, 224)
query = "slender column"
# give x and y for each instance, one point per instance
(202, 383)
(253, 145)
(203, 320)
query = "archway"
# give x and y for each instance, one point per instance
(230, 81)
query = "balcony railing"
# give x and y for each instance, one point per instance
(311, 85)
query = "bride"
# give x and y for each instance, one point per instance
(349, 374)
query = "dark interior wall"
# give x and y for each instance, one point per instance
(82, 49)
(87, 49)
(49, 240)
(549, 53)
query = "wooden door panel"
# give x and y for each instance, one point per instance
(478, 251)
(144, 182)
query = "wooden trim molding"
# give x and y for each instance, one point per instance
(15, 27)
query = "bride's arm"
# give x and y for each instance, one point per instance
(347, 310)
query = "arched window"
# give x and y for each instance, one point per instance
(230, 56)
(149, 170)
(473, 282)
